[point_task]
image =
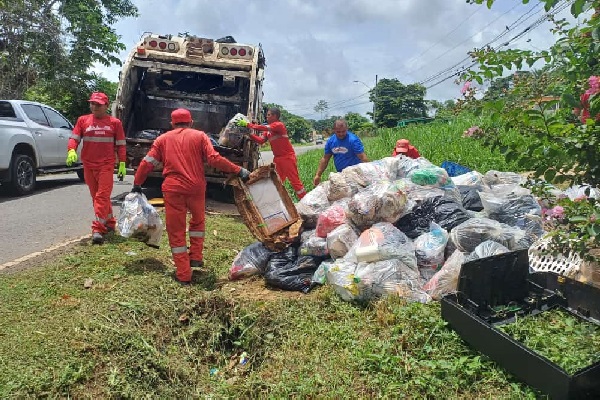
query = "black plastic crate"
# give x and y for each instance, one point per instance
(493, 290)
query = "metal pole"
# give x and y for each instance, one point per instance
(375, 102)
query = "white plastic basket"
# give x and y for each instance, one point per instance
(541, 260)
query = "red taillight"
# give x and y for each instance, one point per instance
(141, 51)
(153, 43)
(242, 52)
(162, 45)
(233, 52)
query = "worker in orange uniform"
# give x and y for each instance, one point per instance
(101, 135)
(404, 147)
(284, 156)
(183, 152)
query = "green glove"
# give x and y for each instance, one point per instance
(122, 170)
(71, 157)
(243, 123)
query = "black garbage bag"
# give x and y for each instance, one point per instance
(443, 211)
(287, 271)
(470, 197)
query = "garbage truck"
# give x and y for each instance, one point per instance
(214, 79)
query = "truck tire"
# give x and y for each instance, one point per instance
(22, 174)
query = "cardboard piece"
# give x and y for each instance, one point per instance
(267, 208)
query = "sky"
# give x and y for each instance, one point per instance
(316, 49)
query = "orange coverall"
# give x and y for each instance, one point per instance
(183, 152)
(101, 136)
(284, 156)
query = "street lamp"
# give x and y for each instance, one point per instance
(375, 96)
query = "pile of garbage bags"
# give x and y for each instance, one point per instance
(404, 227)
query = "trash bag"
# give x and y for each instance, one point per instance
(515, 208)
(470, 197)
(374, 280)
(340, 187)
(312, 245)
(364, 174)
(468, 179)
(311, 205)
(468, 235)
(582, 191)
(332, 217)
(232, 134)
(493, 177)
(287, 271)
(430, 176)
(252, 260)
(380, 202)
(444, 212)
(446, 279)
(486, 249)
(340, 240)
(401, 166)
(383, 241)
(429, 249)
(139, 219)
(340, 275)
(320, 275)
(453, 169)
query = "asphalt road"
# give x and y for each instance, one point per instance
(60, 210)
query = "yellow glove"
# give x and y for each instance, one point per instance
(122, 171)
(71, 157)
(243, 123)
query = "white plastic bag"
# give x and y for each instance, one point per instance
(232, 134)
(139, 219)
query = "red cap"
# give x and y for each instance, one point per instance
(402, 145)
(98, 97)
(181, 115)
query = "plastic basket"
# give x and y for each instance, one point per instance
(541, 260)
(453, 169)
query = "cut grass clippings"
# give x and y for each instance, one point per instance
(136, 333)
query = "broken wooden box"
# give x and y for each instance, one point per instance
(267, 208)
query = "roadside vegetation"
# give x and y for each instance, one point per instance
(136, 333)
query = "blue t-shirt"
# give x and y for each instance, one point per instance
(344, 151)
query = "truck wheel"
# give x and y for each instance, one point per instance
(80, 175)
(22, 174)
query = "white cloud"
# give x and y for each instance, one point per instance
(315, 49)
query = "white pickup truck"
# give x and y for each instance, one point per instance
(33, 141)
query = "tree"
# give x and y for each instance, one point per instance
(52, 44)
(298, 128)
(395, 101)
(357, 123)
(321, 107)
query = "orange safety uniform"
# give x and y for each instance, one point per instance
(284, 156)
(101, 137)
(183, 152)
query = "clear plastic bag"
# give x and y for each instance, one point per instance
(311, 205)
(312, 245)
(446, 279)
(364, 174)
(378, 279)
(429, 249)
(468, 235)
(468, 179)
(232, 134)
(252, 260)
(486, 249)
(380, 202)
(340, 187)
(340, 240)
(320, 275)
(139, 219)
(582, 191)
(332, 217)
(340, 276)
(383, 241)
(430, 176)
(493, 177)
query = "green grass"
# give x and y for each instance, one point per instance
(136, 333)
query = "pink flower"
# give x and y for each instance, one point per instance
(594, 82)
(593, 218)
(465, 88)
(556, 212)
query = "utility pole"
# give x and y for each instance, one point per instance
(374, 103)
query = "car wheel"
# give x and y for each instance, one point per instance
(80, 175)
(23, 174)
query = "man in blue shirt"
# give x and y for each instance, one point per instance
(345, 147)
